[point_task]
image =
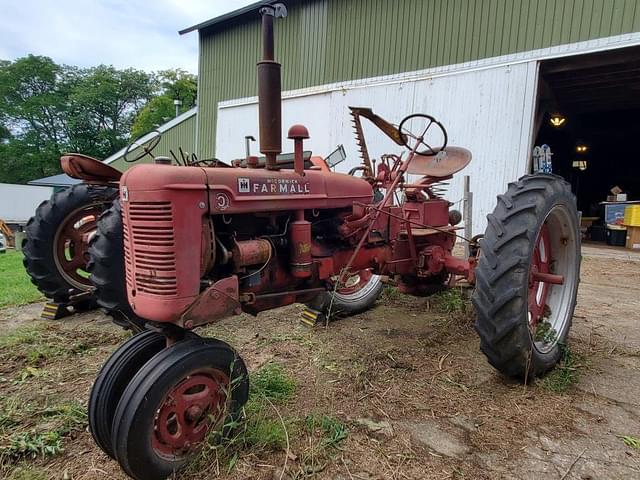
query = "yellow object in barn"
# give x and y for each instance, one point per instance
(632, 216)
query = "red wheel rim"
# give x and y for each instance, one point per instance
(188, 411)
(71, 245)
(355, 282)
(538, 291)
(541, 278)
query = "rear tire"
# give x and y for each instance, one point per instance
(511, 304)
(350, 301)
(51, 236)
(107, 268)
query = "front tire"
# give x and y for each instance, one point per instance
(113, 378)
(165, 413)
(527, 276)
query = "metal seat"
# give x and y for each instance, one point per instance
(444, 164)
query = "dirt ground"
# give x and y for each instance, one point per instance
(409, 382)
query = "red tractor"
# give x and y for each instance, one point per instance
(202, 244)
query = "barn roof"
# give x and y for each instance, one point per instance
(238, 15)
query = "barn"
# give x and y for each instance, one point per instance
(499, 74)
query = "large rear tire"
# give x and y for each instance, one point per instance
(107, 268)
(55, 249)
(527, 276)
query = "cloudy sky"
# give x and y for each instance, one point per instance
(123, 33)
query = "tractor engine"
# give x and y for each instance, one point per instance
(197, 237)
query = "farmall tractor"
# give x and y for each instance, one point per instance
(203, 243)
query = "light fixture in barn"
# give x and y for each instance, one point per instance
(557, 120)
(581, 148)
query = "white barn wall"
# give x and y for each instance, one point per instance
(489, 111)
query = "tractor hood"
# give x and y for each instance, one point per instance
(245, 190)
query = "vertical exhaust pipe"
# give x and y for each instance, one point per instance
(269, 88)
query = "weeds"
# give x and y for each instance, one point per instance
(629, 441)
(27, 473)
(60, 420)
(566, 373)
(273, 383)
(38, 343)
(325, 436)
(262, 429)
(333, 430)
(451, 300)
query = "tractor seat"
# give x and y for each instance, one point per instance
(444, 164)
(84, 167)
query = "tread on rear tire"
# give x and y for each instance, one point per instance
(501, 297)
(39, 248)
(107, 269)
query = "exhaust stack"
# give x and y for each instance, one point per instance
(269, 88)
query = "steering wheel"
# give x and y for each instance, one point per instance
(147, 146)
(419, 132)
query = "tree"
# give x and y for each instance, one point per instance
(173, 85)
(47, 109)
(104, 103)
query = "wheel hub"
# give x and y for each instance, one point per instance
(71, 245)
(188, 411)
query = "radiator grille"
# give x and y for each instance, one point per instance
(153, 243)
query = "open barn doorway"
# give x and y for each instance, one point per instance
(589, 116)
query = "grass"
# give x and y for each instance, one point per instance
(27, 473)
(17, 288)
(27, 431)
(35, 344)
(451, 300)
(565, 374)
(263, 428)
(629, 441)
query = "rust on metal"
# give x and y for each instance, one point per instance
(88, 168)
(220, 300)
(269, 93)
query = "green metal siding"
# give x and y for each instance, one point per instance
(181, 135)
(327, 41)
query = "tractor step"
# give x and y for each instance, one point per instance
(55, 311)
(311, 317)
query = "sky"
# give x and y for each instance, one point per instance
(123, 33)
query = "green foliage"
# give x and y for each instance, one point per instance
(629, 441)
(59, 420)
(47, 109)
(173, 85)
(333, 430)
(32, 444)
(566, 373)
(155, 113)
(451, 300)
(263, 428)
(273, 383)
(17, 288)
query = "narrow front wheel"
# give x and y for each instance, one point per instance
(188, 391)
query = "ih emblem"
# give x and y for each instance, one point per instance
(243, 185)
